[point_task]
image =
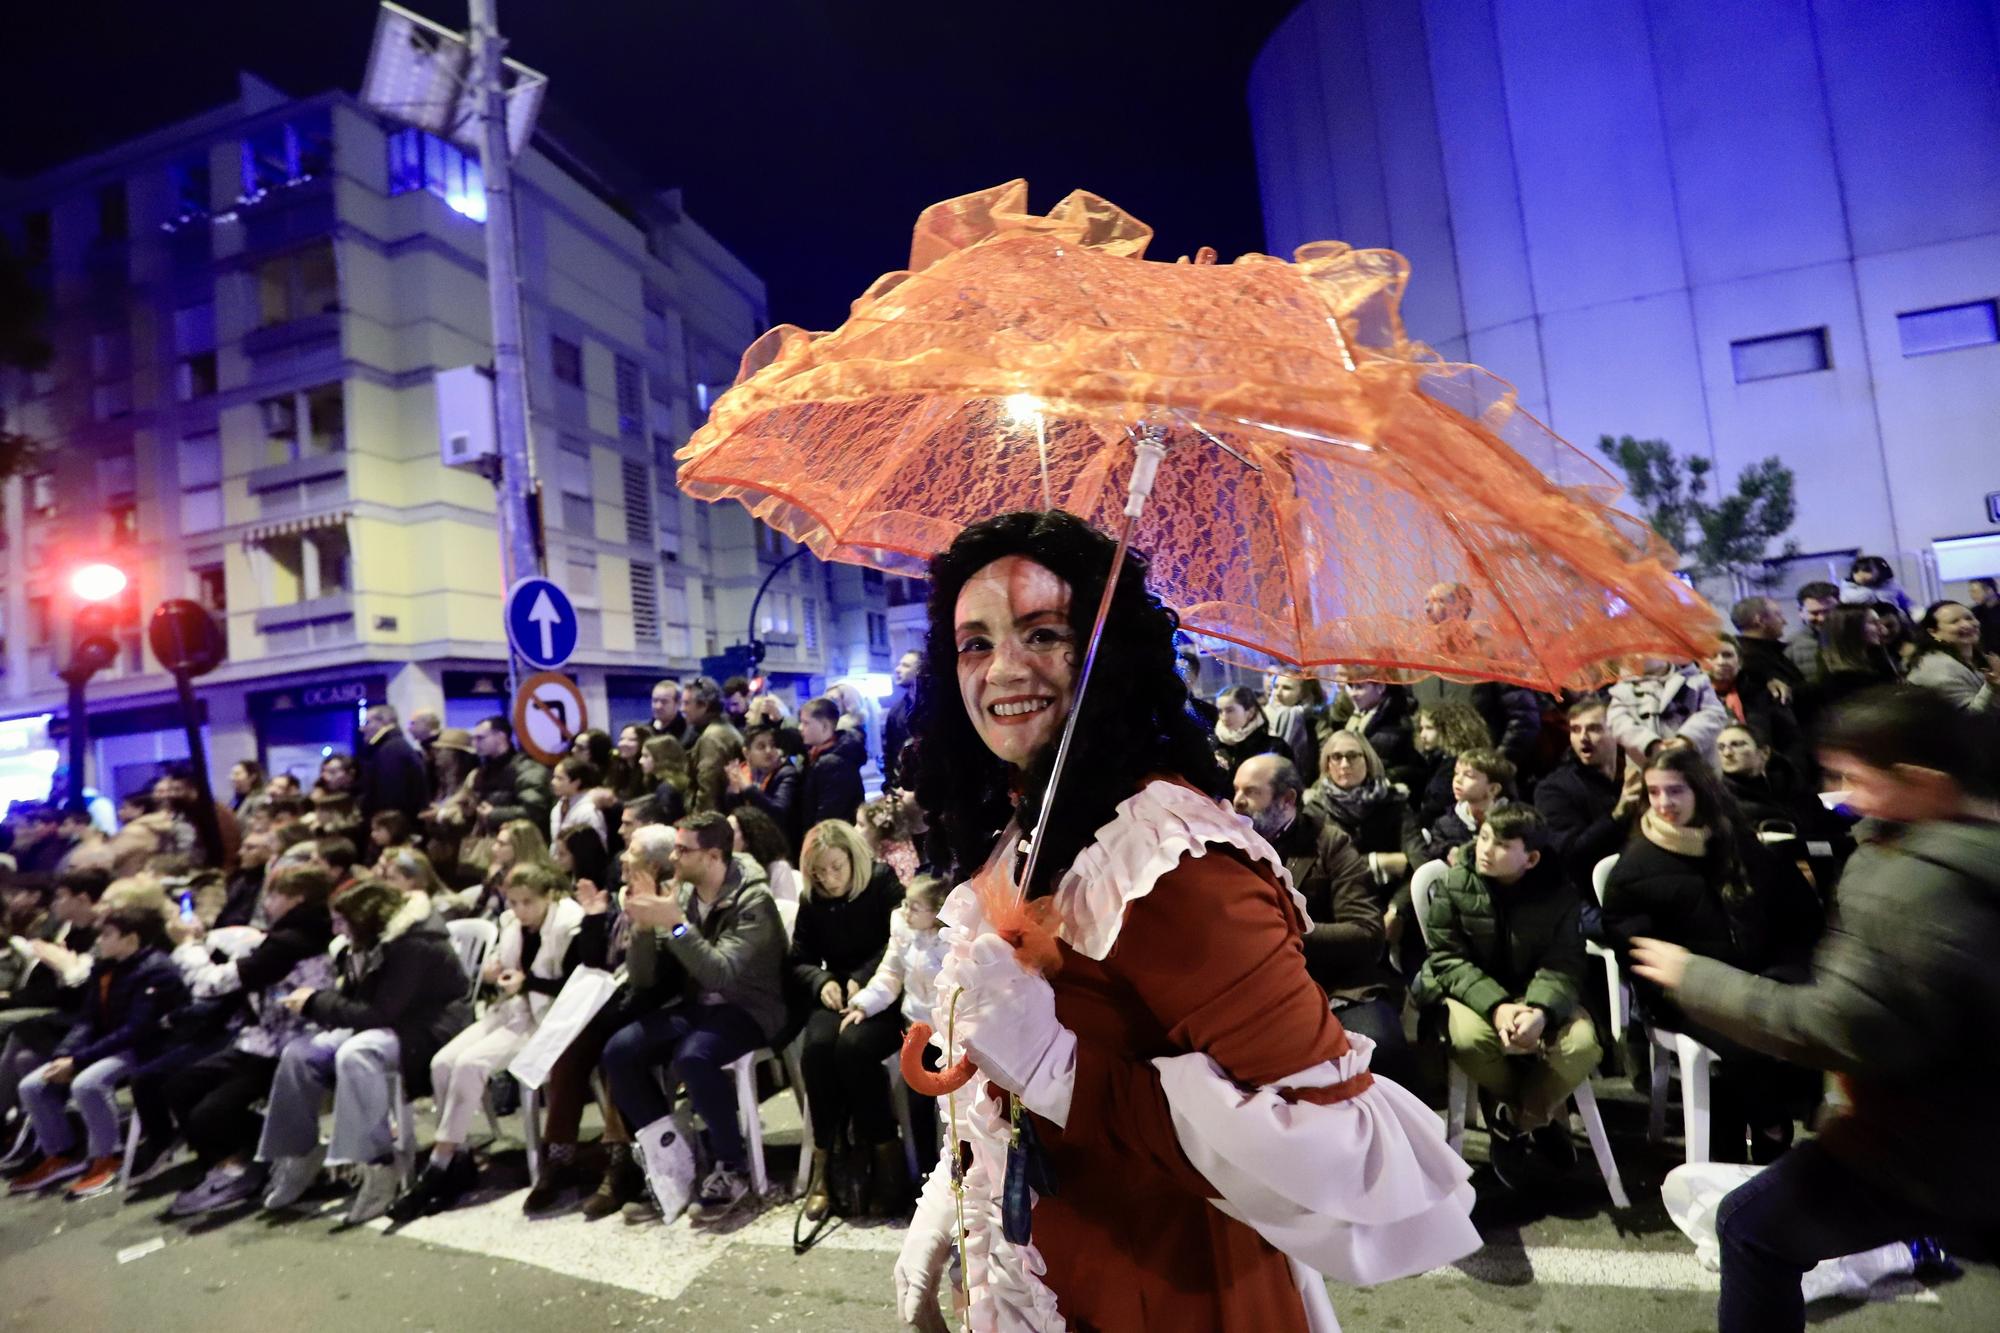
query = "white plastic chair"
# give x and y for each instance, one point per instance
(473, 939)
(1459, 1097)
(1613, 983)
(1664, 1050)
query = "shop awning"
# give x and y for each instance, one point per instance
(292, 527)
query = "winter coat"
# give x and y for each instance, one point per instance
(719, 746)
(1889, 593)
(1576, 804)
(895, 735)
(125, 1007)
(843, 939)
(411, 983)
(1255, 741)
(909, 968)
(293, 954)
(1766, 660)
(516, 786)
(1648, 709)
(1492, 943)
(1392, 730)
(1512, 714)
(550, 967)
(1290, 724)
(39, 986)
(581, 812)
(393, 776)
(830, 789)
(1802, 651)
(1948, 674)
(1451, 830)
(1377, 826)
(1663, 895)
(777, 796)
(1903, 1003)
(1346, 943)
(736, 953)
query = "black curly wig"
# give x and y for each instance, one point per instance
(1135, 721)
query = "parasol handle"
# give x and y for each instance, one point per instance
(1145, 470)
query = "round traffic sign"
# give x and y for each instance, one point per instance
(541, 622)
(548, 713)
(185, 638)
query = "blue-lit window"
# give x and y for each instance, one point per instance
(191, 186)
(419, 160)
(1947, 328)
(287, 154)
(1798, 353)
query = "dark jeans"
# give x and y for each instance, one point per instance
(213, 1101)
(1806, 1207)
(1382, 1023)
(695, 1041)
(924, 1117)
(150, 1080)
(845, 1079)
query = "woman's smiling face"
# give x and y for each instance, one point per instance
(1017, 656)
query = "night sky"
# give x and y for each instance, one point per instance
(807, 135)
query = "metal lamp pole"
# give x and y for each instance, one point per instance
(510, 374)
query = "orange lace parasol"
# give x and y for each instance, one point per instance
(1322, 471)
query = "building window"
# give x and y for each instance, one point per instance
(287, 154)
(200, 461)
(878, 631)
(419, 160)
(113, 220)
(645, 605)
(298, 285)
(579, 509)
(307, 424)
(638, 502)
(567, 359)
(110, 401)
(1797, 353)
(583, 576)
(195, 376)
(680, 638)
(211, 589)
(871, 580)
(308, 566)
(631, 399)
(809, 624)
(192, 185)
(123, 516)
(1948, 327)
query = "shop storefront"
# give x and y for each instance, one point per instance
(299, 725)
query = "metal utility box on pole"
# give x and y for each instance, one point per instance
(458, 89)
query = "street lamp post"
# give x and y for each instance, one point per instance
(93, 646)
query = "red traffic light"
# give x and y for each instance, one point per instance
(97, 582)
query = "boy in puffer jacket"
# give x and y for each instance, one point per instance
(212, 1100)
(1506, 961)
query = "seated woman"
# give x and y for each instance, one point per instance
(664, 761)
(1387, 716)
(527, 972)
(1241, 731)
(1852, 657)
(625, 777)
(133, 986)
(1694, 875)
(518, 842)
(1948, 659)
(401, 998)
(838, 940)
(213, 1101)
(759, 837)
(1784, 815)
(571, 782)
(1354, 792)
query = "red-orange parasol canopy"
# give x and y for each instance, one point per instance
(1323, 470)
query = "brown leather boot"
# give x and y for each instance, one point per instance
(818, 1198)
(622, 1183)
(889, 1182)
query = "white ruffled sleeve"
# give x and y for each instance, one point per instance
(1364, 1190)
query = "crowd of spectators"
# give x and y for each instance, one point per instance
(1457, 846)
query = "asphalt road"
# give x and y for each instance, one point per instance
(1566, 1264)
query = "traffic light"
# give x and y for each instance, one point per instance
(93, 642)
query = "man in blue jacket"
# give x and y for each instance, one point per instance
(132, 987)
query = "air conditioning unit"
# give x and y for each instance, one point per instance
(466, 433)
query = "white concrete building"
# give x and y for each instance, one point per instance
(1748, 229)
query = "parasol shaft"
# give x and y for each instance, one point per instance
(1145, 468)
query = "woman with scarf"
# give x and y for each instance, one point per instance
(1241, 731)
(1695, 875)
(1206, 1139)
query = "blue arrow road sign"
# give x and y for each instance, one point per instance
(541, 623)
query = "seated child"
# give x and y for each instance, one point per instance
(909, 968)
(1506, 960)
(132, 988)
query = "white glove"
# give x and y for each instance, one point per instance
(1007, 1022)
(920, 1267)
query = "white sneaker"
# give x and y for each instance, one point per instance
(291, 1177)
(668, 1161)
(379, 1182)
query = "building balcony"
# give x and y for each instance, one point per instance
(293, 335)
(297, 472)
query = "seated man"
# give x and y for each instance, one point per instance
(683, 890)
(132, 988)
(48, 993)
(1506, 960)
(1346, 947)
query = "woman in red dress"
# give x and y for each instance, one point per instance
(1212, 1140)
